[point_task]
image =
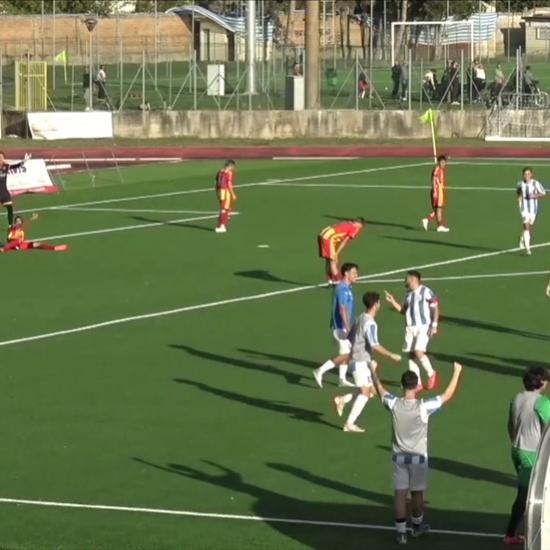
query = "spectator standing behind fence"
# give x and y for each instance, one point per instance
(480, 79)
(430, 83)
(404, 80)
(455, 82)
(362, 85)
(499, 79)
(529, 81)
(396, 79)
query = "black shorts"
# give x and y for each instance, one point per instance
(5, 198)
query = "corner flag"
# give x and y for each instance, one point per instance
(62, 57)
(430, 117)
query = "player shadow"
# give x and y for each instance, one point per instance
(183, 225)
(274, 507)
(443, 243)
(525, 363)
(493, 327)
(290, 377)
(265, 275)
(469, 361)
(282, 407)
(374, 222)
(467, 471)
(279, 357)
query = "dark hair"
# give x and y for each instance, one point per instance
(2, 153)
(409, 380)
(370, 299)
(348, 266)
(534, 378)
(18, 217)
(230, 163)
(415, 273)
(441, 157)
(360, 220)
(525, 169)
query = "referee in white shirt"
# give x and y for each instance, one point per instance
(421, 310)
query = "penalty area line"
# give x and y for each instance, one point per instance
(249, 298)
(241, 517)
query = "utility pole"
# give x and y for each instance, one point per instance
(312, 55)
(251, 45)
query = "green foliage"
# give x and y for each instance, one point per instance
(34, 7)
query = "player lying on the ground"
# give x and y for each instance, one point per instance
(332, 240)
(17, 240)
(529, 192)
(226, 194)
(5, 196)
(410, 418)
(364, 339)
(438, 196)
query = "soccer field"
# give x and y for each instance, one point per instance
(156, 385)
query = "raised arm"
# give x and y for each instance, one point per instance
(401, 308)
(15, 166)
(453, 384)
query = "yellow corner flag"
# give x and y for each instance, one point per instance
(430, 117)
(63, 57)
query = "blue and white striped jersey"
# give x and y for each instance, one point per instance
(364, 337)
(527, 193)
(419, 304)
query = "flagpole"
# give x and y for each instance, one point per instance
(434, 146)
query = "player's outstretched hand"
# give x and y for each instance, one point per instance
(27, 157)
(389, 297)
(34, 216)
(396, 357)
(457, 367)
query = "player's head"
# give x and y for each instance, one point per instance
(359, 221)
(350, 272)
(18, 220)
(536, 379)
(409, 380)
(371, 301)
(230, 164)
(413, 279)
(441, 161)
(527, 173)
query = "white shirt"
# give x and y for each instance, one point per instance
(527, 191)
(419, 304)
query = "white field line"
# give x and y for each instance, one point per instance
(250, 298)
(463, 277)
(375, 186)
(210, 189)
(80, 160)
(138, 210)
(212, 515)
(125, 228)
(315, 158)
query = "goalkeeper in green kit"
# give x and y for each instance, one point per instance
(529, 415)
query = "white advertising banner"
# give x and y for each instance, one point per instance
(32, 177)
(71, 125)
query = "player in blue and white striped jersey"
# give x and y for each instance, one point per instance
(529, 192)
(421, 310)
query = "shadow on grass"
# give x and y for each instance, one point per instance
(443, 243)
(183, 225)
(375, 223)
(472, 362)
(265, 275)
(493, 327)
(290, 377)
(284, 513)
(282, 407)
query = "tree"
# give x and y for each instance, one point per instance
(31, 7)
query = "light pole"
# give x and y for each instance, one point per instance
(90, 23)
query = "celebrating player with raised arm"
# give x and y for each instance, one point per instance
(5, 196)
(332, 240)
(364, 341)
(529, 192)
(421, 310)
(17, 240)
(438, 196)
(410, 418)
(226, 194)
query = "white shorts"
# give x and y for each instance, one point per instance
(341, 338)
(528, 217)
(416, 338)
(361, 374)
(410, 477)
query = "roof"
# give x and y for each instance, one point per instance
(199, 12)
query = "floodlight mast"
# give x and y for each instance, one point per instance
(91, 22)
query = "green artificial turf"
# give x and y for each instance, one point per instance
(214, 409)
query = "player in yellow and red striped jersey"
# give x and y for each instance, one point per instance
(332, 240)
(226, 194)
(438, 196)
(17, 238)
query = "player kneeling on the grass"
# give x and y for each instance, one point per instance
(364, 339)
(226, 194)
(438, 196)
(17, 240)
(410, 418)
(529, 192)
(341, 322)
(421, 310)
(332, 240)
(529, 415)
